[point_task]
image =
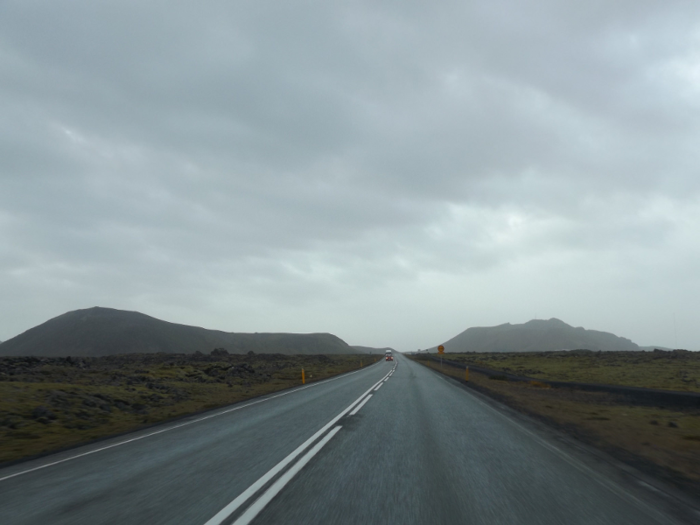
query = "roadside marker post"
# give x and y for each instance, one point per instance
(441, 350)
(466, 373)
(303, 378)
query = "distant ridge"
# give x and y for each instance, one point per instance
(535, 336)
(371, 349)
(104, 331)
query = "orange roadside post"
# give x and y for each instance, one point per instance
(303, 379)
(466, 374)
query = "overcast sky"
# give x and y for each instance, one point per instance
(392, 172)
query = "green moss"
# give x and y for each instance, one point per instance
(54, 405)
(663, 370)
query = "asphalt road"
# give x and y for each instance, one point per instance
(420, 450)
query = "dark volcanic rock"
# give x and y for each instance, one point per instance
(43, 412)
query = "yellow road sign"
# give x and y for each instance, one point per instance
(441, 349)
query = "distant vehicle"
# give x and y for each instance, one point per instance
(388, 356)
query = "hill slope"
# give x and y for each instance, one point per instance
(535, 336)
(105, 331)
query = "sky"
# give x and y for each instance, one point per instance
(392, 172)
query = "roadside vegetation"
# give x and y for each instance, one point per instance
(662, 441)
(667, 370)
(47, 404)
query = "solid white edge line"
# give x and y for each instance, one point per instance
(299, 389)
(255, 509)
(578, 464)
(358, 407)
(380, 386)
(244, 496)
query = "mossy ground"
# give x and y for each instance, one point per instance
(672, 370)
(47, 404)
(663, 442)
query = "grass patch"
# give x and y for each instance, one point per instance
(47, 404)
(674, 370)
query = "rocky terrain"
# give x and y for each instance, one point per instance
(50, 403)
(667, 370)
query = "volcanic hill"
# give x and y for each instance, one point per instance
(535, 336)
(106, 331)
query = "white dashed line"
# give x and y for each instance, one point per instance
(232, 507)
(357, 409)
(217, 414)
(255, 509)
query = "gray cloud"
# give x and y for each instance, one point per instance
(389, 172)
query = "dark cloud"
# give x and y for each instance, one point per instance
(392, 172)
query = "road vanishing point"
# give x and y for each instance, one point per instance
(391, 443)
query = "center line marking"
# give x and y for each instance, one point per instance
(358, 407)
(380, 386)
(255, 509)
(179, 425)
(229, 509)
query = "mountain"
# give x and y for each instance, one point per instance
(104, 331)
(535, 336)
